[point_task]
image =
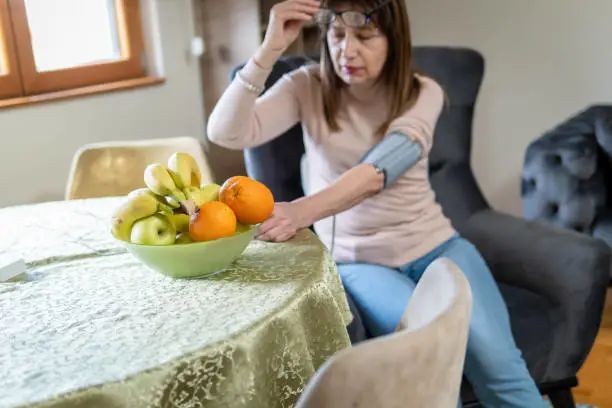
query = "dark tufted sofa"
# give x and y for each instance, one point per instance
(553, 281)
(566, 174)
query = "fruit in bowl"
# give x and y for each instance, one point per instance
(156, 229)
(251, 200)
(183, 229)
(194, 259)
(213, 220)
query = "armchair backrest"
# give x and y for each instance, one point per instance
(459, 71)
(566, 172)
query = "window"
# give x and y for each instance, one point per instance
(54, 45)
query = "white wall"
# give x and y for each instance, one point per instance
(37, 141)
(545, 60)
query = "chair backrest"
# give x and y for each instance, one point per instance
(116, 168)
(566, 172)
(420, 365)
(460, 72)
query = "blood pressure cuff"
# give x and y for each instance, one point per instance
(393, 155)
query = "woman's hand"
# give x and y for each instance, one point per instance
(283, 224)
(286, 22)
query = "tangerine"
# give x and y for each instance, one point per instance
(213, 220)
(251, 201)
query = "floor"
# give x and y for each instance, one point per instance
(595, 377)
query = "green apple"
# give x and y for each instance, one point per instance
(211, 191)
(156, 229)
(183, 238)
(181, 222)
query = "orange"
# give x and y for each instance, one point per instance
(251, 201)
(214, 220)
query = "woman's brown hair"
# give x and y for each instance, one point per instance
(398, 74)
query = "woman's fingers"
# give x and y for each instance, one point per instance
(289, 233)
(281, 225)
(295, 15)
(268, 225)
(284, 237)
(279, 233)
(302, 6)
(310, 3)
(275, 229)
(307, 8)
(269, 235)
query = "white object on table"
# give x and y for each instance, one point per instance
(11, 268)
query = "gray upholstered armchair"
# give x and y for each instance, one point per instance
(553, 281)
(567, 172)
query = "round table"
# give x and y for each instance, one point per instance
(91, 326)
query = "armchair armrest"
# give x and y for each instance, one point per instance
(571, 270)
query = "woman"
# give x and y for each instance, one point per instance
(368, 122)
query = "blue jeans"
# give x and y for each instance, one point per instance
(493, 364)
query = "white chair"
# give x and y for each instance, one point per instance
(420, 365)
(116, 168)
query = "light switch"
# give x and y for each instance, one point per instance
(197, 46)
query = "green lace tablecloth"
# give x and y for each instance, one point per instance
(90, 326)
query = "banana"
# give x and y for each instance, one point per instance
(162, 205)
(184, 170)
(172, 202)
(132, 210)
(158, 179)
(196, 195)
(200, 196)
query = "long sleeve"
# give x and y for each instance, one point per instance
(420, 121)
(241, 119)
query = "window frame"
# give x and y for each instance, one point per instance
(10, 81)
(130, 65)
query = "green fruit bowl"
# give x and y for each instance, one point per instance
(195, 259)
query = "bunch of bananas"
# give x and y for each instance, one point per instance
(155, 215)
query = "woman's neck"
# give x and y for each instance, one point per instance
(366, 92)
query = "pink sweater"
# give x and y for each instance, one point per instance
(394, 227)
